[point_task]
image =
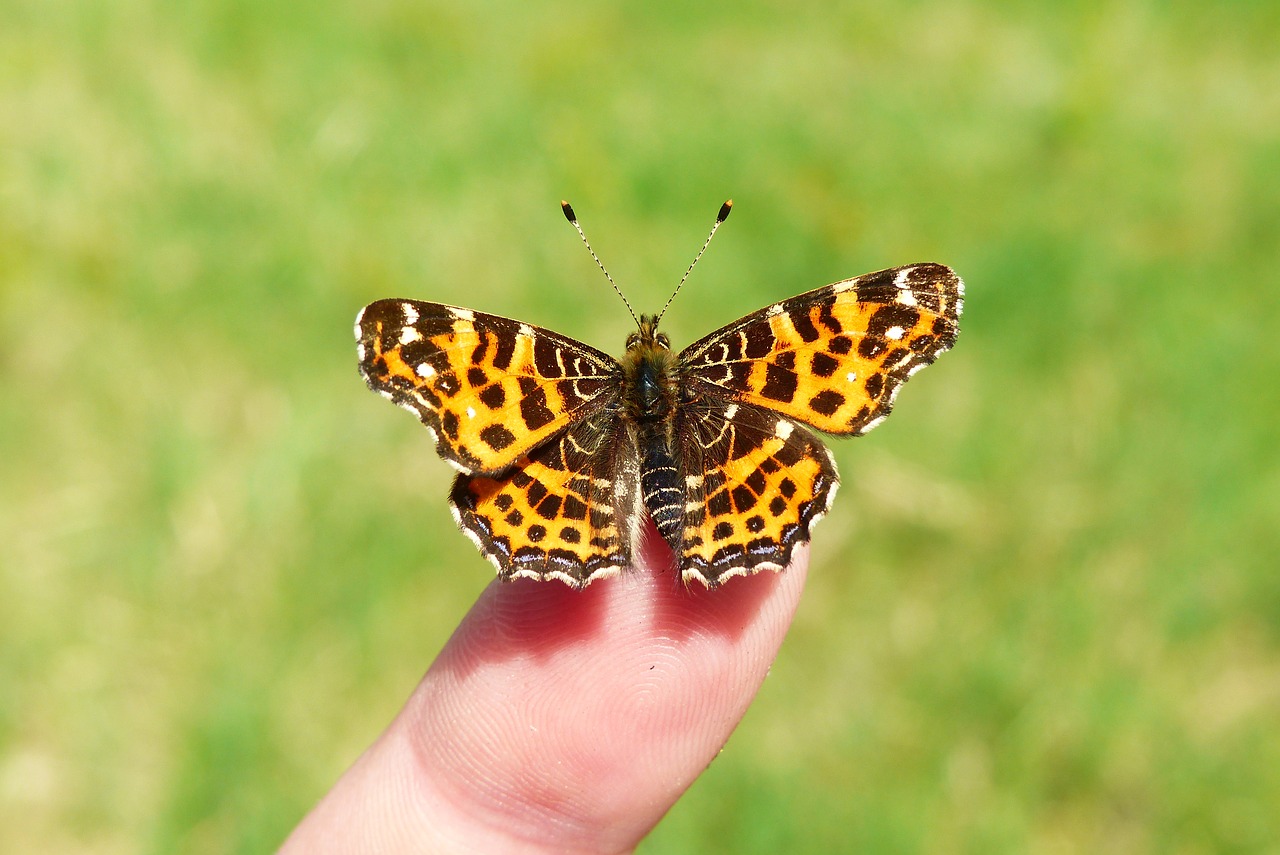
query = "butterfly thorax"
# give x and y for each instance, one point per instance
(650, 390)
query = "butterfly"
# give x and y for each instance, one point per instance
(562, 450)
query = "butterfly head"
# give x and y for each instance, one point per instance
(647, 337)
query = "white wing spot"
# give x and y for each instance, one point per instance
(775, 309)
(730, 411)
(852, 377)
(894, 333)
(900, 281)
(906, 298)
(463, 314)
(471, 412)
(360, 352)
(784, 429)
(426, 370)
(409, 335)
(525, 329)
(410, 313)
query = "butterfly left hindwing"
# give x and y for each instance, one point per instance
(553, 514)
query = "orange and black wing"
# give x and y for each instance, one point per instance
(756, 479)
(489, 389)
(559, 512)
(755, 485)
(834, 358)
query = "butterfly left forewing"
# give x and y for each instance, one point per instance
(488, 388)
(835, 357)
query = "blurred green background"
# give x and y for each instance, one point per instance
(1045, 613)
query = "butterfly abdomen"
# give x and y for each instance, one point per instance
(660, 487)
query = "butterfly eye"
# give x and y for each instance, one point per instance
(663, 341)
(633, 340)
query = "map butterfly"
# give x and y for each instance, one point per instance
(562, 450)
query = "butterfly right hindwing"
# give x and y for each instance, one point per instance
(756, 485)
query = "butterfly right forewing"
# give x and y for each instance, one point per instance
(835, 357)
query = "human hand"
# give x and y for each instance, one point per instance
(557, 720)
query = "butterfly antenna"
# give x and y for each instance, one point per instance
(720, 218)
(573, 221)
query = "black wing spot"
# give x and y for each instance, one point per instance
(743, 499)
(544, 357)
(826, 402)
(497, 437)
(779, 384)
(574, 508)
(533, 408)
(760, 342)
(493, 396)
(549, 507)
(824, 365)
(505, 350)
(718, 505)
(449, 422)
(804, 325)
(875, 385)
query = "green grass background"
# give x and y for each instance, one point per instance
(1044, 615)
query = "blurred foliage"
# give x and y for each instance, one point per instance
(1045, 613)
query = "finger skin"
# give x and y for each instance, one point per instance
(557, 720)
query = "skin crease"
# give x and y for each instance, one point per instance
(563, 721)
